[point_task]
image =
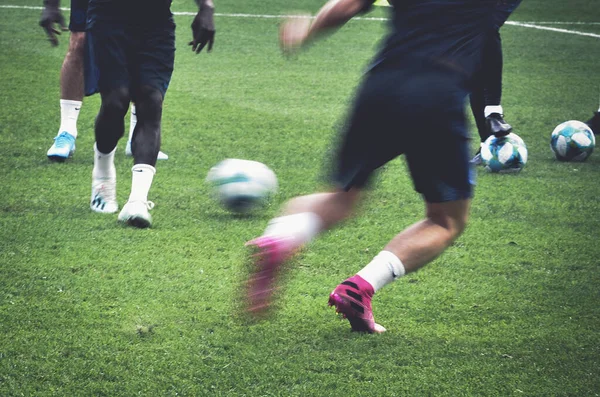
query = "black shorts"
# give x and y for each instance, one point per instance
(132, 56)
(414, 110)
(78, 18)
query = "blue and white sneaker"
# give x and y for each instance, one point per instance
(62, 148)
(129, 153)
(104, 195)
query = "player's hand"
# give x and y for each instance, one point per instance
(51, 16)
(203, 29)
(293, 33)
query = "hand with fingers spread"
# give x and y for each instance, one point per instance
(203, 27)
(52, 15)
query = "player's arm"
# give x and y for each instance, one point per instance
(298, 31)
(203, 26)
(51, 15)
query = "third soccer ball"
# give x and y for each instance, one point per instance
(507, 154)
(241, 186)
(572, 141)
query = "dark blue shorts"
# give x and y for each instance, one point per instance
(132, 56)
(503, 11)
(418, 111)
(91, 74)
(78, 18)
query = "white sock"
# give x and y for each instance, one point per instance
(132, 121)
(302, 227)
(492, 109)
(69, 112)
(382, 270)
(104, 164)
(141, 181)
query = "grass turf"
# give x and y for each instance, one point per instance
(88, 307)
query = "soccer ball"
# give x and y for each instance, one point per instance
(507, 154)
(241, 186)
(572, 141)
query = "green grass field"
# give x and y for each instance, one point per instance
(91, 308)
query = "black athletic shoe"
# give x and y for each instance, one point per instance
(594, 123)
(497, 126)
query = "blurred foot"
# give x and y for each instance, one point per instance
(268, 255)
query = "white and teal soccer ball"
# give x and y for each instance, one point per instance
(572, 141)
(507, 154)
(241, 186)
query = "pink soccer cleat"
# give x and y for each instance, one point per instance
(352, 298)
(269, 254)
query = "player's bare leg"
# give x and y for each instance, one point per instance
(132, 123)
(302, 219)
(407, 252)
(71, 94)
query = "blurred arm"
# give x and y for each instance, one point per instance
(297, 31)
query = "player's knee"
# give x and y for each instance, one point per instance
(453, 220)
(148, 103)
(116, 102)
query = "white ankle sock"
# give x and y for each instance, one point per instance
(69, 112)
(104, 164)
(492, 109)
(132, 121)
(302, 227)
(141, 181)
(382, 270)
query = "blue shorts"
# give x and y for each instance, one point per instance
(503, 11)
(78, 18)
(418, 111)
(91, 74)
(131, 56)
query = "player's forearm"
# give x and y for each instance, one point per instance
(335, 14)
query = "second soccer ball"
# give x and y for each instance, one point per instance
(507, 154)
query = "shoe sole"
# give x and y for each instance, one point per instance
(59, 159)
(138, 222)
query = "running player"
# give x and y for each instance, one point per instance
(419, 81)
(133, 44)
(72, 85)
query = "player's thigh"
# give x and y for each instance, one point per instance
(439, 162)
(155, 59)
(110, 47)
(78, 18)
